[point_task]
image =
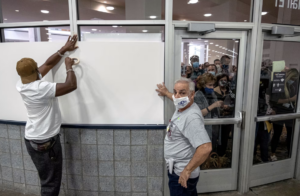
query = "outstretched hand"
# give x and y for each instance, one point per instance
(71, 43)
(162, 89)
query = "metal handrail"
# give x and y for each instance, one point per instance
(277, 117)
(224, 121)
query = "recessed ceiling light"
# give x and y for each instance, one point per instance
(145, 31)
(236, 41)
(245, 20)
(110, 8)
(152, 17)
(207, 15)
(17, 10)
(205, 41)
(211, 43)
(86, 32)
(5, 18)
(193, 1)
(264, 13)
(45, 11)
(217, 45)
(114, 26)
(105, 1)
(94, 29)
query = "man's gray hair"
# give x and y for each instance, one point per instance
(187, 81)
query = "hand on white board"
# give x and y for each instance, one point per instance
(162, 89)
(71, 43)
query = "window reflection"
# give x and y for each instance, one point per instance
(281, 12)
(212, 10)
(37, 34)
(121, 10)
(29, 11)
(122, 33)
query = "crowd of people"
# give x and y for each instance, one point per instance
(268, 133)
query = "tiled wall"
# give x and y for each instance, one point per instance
(96, 162)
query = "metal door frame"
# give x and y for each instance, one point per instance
(219, 179)
(279, 170)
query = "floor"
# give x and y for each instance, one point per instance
(283, 188)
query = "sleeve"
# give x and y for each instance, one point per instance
(47, 90)
(196, 133)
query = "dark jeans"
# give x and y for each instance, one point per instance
(49, 170)
(262, 139)
(225, 132)
(277, 133)
(177, 190)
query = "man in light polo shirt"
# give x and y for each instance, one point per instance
(44, 118)
(187, 144)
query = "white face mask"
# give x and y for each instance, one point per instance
(181, 102)
(40, 76)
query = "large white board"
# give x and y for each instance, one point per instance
(116, 82)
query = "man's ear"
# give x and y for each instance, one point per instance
(192, 95)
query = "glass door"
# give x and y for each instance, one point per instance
(277, 126)
(216, 60)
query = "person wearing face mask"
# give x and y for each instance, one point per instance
(186, 144)
(224, 93)
(196, 67)
(212, 69)
(217, 62)
(205, 98)
(42, 129)
(225, 61)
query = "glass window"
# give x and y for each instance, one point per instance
(212, 64)
(212, 10)
(279, 78)
(222, 142)
(121, 9)
(37, 34)
(122, 33)
(273, 141)
(28, 10)
(281, 12)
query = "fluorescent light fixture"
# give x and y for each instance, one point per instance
(211, 43)
(264, 13)
(114, 26)
(110, 8)
(152, 17)
(237, 41)
(205, 41)
(48, 33)
(5, 18)
(45, 11)
(217, 45)
(193, 1)
(245, 20)
(199, 39)
(145, 31)
(207, 15)
(17, 10)
(94, 29)
(86, 32)
(49, 38)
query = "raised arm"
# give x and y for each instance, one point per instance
(55, 58)
(71, 82)
(163, 91)
(201, 154)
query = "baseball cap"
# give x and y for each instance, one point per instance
(27, 69)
